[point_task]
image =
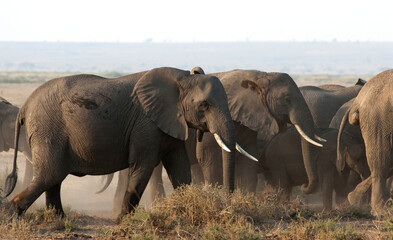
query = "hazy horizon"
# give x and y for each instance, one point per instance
(357, 58)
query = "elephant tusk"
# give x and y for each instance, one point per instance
(242, 151)
(221, 143)
(319, 138)
(308, 139)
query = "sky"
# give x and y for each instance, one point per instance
(195, 21)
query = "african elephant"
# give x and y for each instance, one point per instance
(285, 169)
(261, 105)
(8, 114)
(370, 110)
(86, 124)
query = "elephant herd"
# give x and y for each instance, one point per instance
(254, 121)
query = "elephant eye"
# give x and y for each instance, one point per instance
(203, 106)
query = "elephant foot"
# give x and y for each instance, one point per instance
(379, 211)
(361, 195)
(119, 218)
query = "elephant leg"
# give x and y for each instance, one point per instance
(361, 194)
(326, 181)
(49, 173)
(246, 175)
(53, 199)
(156, 184)
(28, 174)
(137, 182)
(121, 189)
(341, 186)
(209, 158)
(177, 166)
(379, 194)
(196, 174)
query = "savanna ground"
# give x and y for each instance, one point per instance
(192, 212)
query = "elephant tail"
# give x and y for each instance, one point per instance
(340, 162)
(10, 182)
(109, 178)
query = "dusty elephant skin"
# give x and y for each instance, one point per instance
(85, 124)
(370, 110)
(8, 115)
(285, 169)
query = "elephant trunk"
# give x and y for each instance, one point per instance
(222, 127)
(303, 121)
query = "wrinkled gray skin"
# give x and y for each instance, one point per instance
(8, 114)
(86, 124)
(371, 110)
(285, 169)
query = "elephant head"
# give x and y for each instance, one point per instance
(175, 100)
(266, 103)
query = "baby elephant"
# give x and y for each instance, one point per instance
(283, 164)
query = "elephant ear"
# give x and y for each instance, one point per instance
(247, 104)
(158, 93)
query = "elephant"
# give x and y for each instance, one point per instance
(90, 125)
(370, 110)
(261, 105)
(8, 114)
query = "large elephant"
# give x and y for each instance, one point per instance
(371, 110)
(86, 124)
(261, 105)
(8, 114)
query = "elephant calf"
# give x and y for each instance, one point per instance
(285, 169)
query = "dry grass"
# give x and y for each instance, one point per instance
(203, 212)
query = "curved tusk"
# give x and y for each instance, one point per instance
(242, 151)
(319, 138)
(221, 143)
(308, 139)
